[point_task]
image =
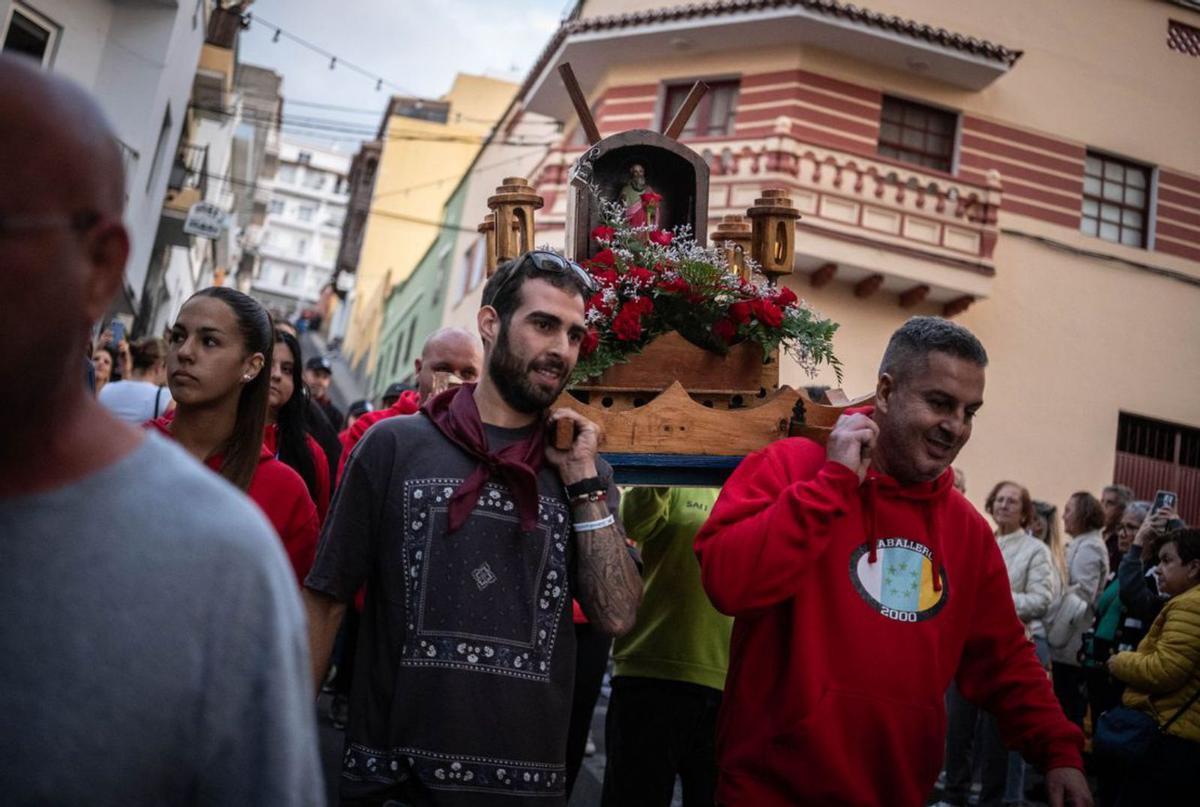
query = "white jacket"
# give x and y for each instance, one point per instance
(1073, 614)
(1031, 577)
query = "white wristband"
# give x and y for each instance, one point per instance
(592, 526)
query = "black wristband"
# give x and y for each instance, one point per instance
(585, 486)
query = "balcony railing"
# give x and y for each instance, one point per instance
(190, 170)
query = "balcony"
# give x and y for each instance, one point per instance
(186, 185)
(878, 224)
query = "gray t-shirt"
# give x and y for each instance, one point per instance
(153, 643)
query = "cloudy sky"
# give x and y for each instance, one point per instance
(416, 46)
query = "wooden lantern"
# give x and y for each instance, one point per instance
(734, 236)
(513, 207)
(774, 224)
(488, 228)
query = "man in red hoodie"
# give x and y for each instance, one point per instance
(862, 583)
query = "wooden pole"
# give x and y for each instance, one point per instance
(675, 127)
(579, 102)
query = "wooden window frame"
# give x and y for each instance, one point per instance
(898, 149)
(1093, 225)
(703, 110)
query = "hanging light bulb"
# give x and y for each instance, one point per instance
(378, 85)
(276, 37)
(332, 62)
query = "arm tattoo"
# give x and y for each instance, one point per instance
(610, 589)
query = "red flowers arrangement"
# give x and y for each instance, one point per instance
(652, 281)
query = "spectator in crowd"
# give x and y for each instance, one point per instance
(472, 533)
(861, 584)
(216, 366)
(1087, 567)
(356, 410)
(153, 639)
(318, 375)
(1109, 630)
(143, 395)
(972, 733)
(286, 435)
(449, 354)
(102, 360)
(1113, 631)
(1113, 500)
(1136, 575)
(1162, 678)
(1045, 529)
(670, 669)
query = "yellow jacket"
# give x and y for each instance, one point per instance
(1164, 671)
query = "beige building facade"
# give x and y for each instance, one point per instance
(1029, 169)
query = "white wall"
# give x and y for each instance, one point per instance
(137, 58)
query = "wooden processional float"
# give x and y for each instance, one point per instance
(676, 413)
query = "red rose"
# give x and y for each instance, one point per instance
(627, 325)
(591, 340)
(675, 286)
(767, 313)
(785, 297)
(725, 330)
(608, 277)
(603, 233)
(661, 237)
(650, 198)
(640, 275)
(640, 305)
(604, 257)
(740, 312)
(596, 303)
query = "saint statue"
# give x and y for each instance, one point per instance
(642, 203)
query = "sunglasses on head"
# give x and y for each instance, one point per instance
(550, 262)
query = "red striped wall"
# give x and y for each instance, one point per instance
(1177, 227)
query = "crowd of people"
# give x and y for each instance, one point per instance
(197, 540)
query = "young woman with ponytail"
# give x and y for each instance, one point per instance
(287, 434)
(218, 375)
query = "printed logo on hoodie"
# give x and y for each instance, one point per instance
(898, 583)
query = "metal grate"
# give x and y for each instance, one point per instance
(1183, 38)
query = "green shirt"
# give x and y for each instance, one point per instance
(1108, 612)
(679, 636)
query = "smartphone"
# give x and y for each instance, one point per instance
(1163, 498)
(118, 331)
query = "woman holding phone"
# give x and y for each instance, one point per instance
(216, 369)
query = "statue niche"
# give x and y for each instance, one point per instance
(624, 166)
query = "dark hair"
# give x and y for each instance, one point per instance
(1091, 513)
(244, 447)
(502, 292)
(291, 420)
(920, 336)
(1124, 493)
(1187, 543)
(148, 352)
(1027, 512)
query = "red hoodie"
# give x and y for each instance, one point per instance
(409, 403)
(856, 606)
(320, 467)
(282, 496)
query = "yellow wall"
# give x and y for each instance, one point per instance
(417, 172)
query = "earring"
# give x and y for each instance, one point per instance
(246, 378)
